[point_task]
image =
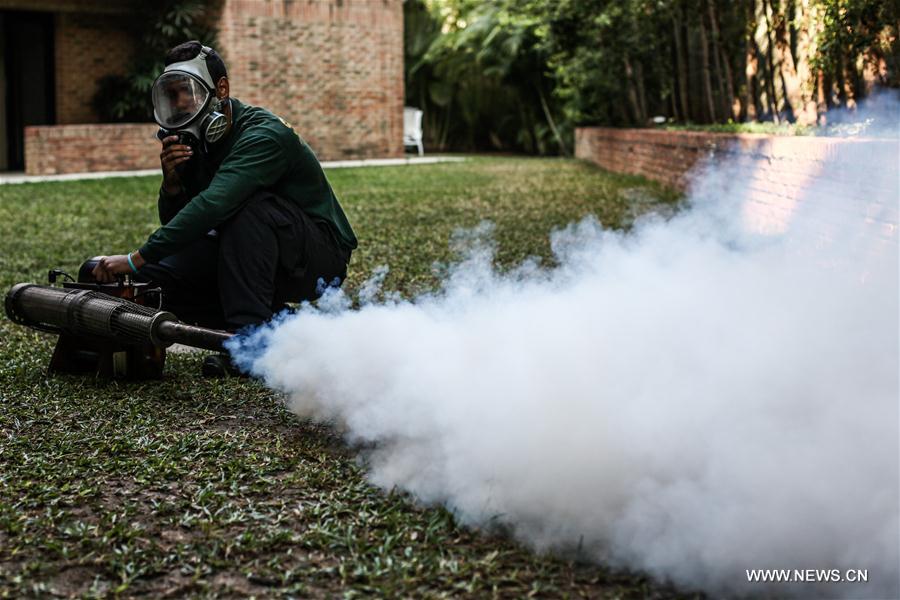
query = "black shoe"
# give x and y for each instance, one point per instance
(220, 365)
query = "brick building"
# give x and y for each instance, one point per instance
(332, 68)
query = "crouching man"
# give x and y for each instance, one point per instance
(249, 220)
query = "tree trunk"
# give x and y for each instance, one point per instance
(766, 88)
(859, 83)
(673, 100)
(770, 62)
(550, 121)
(621, 111)
(841, 80)
(802, 39)
(781, 47)
(751, 66)
(787, 70)
(633, 100)
(828, 86)
(639, 80)
(839, 62)
(445, 131)
(723, 66)
(682, 67)
(751, 95)
(705, 71)
(821, 97)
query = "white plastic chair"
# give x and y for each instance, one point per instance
(412, 128)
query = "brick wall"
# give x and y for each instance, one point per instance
(87, 47)
(774, 177)
(664, 156)
(91, 39)
(332, 68)
(83, 148)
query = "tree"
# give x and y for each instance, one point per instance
(478, 72)
(620, 61)
(517, 74)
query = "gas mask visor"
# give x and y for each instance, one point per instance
(178, 99)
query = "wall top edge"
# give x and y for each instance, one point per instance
(636, 132)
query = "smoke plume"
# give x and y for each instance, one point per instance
(707, 393)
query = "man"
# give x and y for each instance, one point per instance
(249, 220)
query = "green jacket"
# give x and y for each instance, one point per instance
(261, 151)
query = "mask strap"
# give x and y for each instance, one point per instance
(205, 51)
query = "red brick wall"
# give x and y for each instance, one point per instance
(56, 149)
(332, 68)
(664, 156)
(773, 175)
(668, 156)
(87, 48)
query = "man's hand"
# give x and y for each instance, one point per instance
(172, 155)
(110, 266)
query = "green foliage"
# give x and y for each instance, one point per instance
(856, 28)
(623, 62)
(159, 26)
(478, 72)
(590, 42)
(614, 61)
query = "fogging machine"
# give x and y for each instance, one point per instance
(105, 329)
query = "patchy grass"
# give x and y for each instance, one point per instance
(192, 487)
(764, 127)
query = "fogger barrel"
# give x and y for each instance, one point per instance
(94, 314)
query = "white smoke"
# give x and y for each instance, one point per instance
(700, 396)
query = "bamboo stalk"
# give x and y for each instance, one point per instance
(682, 67)
(722, 62)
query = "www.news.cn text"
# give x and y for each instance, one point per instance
(807, 575)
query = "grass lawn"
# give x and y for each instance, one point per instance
(211, 488)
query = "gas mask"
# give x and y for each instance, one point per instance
(185, 103)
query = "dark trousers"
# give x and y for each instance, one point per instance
(268, 254)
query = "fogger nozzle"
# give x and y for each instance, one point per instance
(94, 314)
